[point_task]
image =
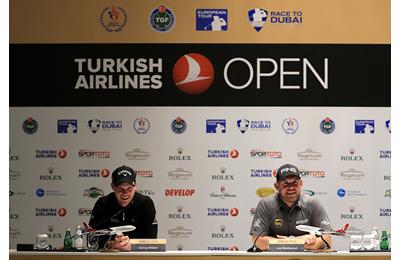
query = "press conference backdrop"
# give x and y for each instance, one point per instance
(95, 85)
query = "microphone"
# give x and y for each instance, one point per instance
(107, 219)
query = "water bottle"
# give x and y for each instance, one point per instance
(384, 244)
(376, 238)
(68, 240)
(78, 238)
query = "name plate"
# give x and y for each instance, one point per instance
(148, 245)
(286, 245)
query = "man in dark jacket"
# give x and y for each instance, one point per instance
(122, 207)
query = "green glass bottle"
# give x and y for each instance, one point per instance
(68, 240)
(384, 243)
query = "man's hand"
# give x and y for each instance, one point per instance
(121, 243)
(310, 239)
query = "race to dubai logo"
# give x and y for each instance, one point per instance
(30, 126)
(257, 18)
(113, 19)
(94, 125)
(327, 126)
(193, 73)
(141, 125)
(388, 127)
(162, 19)
(243, 125)
(290, 125)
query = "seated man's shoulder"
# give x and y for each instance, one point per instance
(270, 200)
(107, 198)
(140, 198)
(311, 202)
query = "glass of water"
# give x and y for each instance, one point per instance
(42, 242)
(368, 242)
(356, 242)
(92, 242)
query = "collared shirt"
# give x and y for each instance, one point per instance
(273, 217)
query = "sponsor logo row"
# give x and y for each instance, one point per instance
(223, 193)
(181, 155)
(183, 174)
(141, 125)
(162, 18)
(180, 214)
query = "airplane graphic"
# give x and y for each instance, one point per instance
(193, 73)
(319, 231)
(107, 231)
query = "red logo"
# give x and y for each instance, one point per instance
(179, 192)
(105, 173)
(234, 153)
(62, 212)
(193, 73)
(62, 154)
(233, 212)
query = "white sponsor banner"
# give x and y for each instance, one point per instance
(205, 185)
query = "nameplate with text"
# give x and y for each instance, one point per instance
(148, 245)
(286, 245)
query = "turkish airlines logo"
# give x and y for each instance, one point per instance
(193, 74)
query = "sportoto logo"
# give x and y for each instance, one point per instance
(193, 74)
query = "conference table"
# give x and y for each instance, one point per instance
(197, 255)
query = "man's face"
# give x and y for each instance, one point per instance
(124, 193)
(289, 188)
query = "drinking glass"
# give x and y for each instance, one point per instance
(368, 242)
(356, 242)
(92, 242)
(42, 242)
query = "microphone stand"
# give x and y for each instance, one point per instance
(254, 248)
